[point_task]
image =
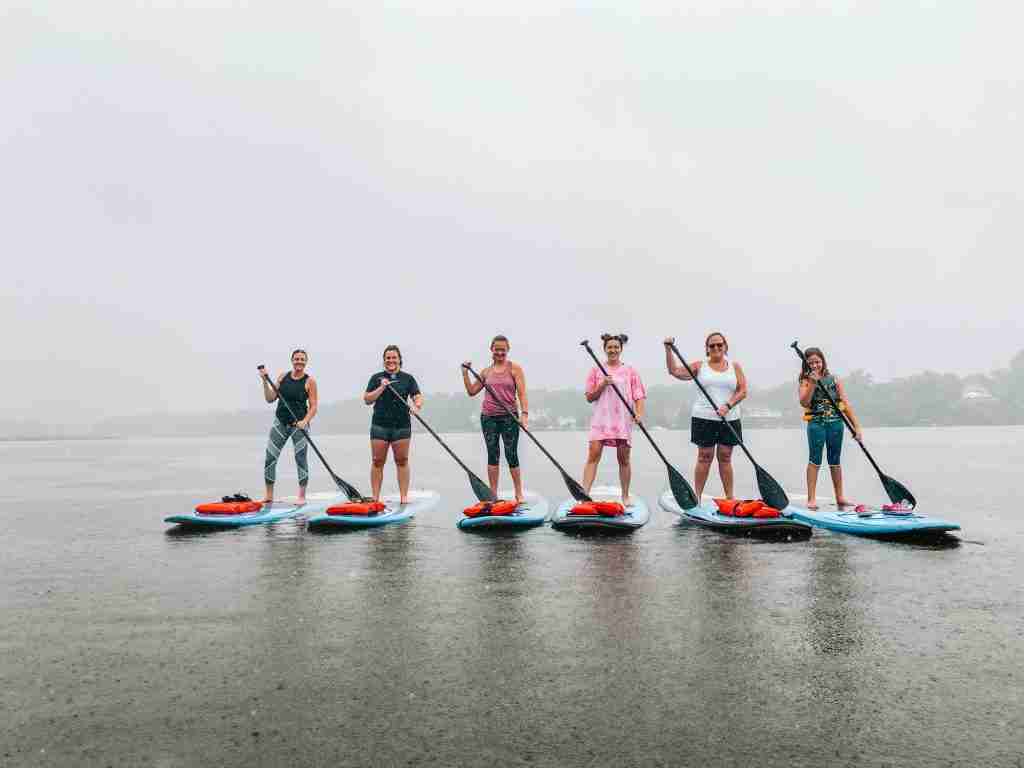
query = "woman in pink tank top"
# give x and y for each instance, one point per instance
(508, 382)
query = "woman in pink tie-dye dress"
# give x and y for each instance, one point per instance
(611, 425)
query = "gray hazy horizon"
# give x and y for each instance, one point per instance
(191, 189)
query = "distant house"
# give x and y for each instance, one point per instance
(762, 413)
(976, 392)
(566, 422)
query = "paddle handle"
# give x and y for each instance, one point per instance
(586, 345)
(712, 402)
(513, 415)
(842, 414)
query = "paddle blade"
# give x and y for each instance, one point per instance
(349, 490)
(681, 489)
(480, 489)
(771, 492)
(897, 491)
(575, 489)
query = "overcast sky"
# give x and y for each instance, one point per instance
(189, 189)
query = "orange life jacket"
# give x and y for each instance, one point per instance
(747, 508)
(598, 509)
(229, 508)
(357, 508)
(490, 509)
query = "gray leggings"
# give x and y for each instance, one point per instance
(279, 434)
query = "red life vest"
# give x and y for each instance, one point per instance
(357, 508)
(745, 508)
(490, 509)
(598, 509)
(229, 508)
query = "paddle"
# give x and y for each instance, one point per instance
(480, 489)
(681, 489)
(346, 488)
(575, 489)
(898, 493)
(771, 491)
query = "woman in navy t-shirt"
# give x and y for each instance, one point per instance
(391, 425)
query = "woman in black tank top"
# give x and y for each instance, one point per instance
(298, 390)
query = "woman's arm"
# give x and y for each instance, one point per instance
(268, 391)
(806, 391)
(370, 396)
(674, 368)
(314, 398)
(741, 388)
(417, 402)
(473, 387)
(639, 406)
(595, 385)
(524, 406)
(858, 433)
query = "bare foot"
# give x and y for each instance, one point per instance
(268, 500)
(627, 501)
(520, 500)
(842, 503)
(400, 501)
(812, 504)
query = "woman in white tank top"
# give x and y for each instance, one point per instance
(727, 385)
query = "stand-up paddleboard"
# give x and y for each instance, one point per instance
(533, 511)
(871, 520)
(267, 513)
(636, 516)
(706, 514)
(393, 512)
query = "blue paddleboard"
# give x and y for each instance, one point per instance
(533, 511)
(873, 521)
(419, 501)
(636, 516)
(269, 513)
(706, 514)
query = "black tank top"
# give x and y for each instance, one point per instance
(293, 392)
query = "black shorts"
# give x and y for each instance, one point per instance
(707, 434)
(389, 434)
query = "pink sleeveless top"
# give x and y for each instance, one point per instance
(504, 387)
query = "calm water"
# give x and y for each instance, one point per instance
(125, 642)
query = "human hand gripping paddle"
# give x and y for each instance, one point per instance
(771, 492)
(898, 493)
(480, 489)
(346, 488)
(681, 488)
(575, 489)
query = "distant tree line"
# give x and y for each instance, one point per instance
(924, 399)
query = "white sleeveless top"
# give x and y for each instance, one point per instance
(721, 385)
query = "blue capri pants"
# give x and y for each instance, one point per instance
(822, 435)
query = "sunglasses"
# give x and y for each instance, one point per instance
(716, 345)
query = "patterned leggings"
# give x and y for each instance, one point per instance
(507, 429)
(279, 434)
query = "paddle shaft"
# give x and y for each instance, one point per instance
(428, 428)
(846, 419)
(706, 395)
(628, 407)
(309, 440)
(513, 415)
